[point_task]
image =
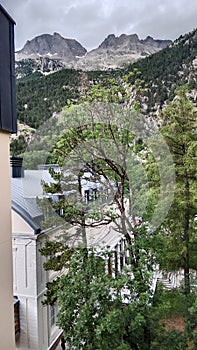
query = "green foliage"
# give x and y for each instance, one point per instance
(33, 158)
(170, 340)
(40, 149)
(93, 130)
(172, 305)
(18, 146)
(60, 254)
(39, 98)
(177, 233)
(180, 133)
(51, 293)
(172, 302)
(92, 312)
(26, 68)
(161, 71)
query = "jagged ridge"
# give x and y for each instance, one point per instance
(52, 45)
(113, 52)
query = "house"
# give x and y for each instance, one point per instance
(38, 328)
(7, 125)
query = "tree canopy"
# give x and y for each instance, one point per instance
(114, 144)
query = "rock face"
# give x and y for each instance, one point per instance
(160, 44)
(54, 46)
(38, 65)
(132, 42)
(117, 51)
(113, 52)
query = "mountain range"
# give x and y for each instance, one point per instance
(113, 52)
(41, 95)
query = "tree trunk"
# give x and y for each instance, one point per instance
(186, 236)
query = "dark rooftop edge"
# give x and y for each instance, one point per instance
(7, 14)
(25, 215)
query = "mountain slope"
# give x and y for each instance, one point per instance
(40, 96)
(165, 70)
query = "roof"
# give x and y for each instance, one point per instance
(30, 185)
(27, 217)
(25, 191)
(101, 236)
(107, 235)
(6, 14)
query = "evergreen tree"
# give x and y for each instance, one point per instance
(179, 130)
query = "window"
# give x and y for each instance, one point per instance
(116, 262)
(53, 313)
(109, 266)
(16, 315)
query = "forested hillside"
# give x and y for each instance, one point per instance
(38, 96)
(169, 68)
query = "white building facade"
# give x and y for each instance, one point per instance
(38, 330)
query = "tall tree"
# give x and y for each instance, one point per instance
(106, 140)
(102, 138)
(179, 130)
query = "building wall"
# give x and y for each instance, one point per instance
(6, 295)
(24, 267)
(19, 225)
(30, 287)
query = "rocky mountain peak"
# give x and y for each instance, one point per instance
(52, 45)
(113, 42)
(116, 51)
(131, 43)
(113, 52)
(55, 34)
(108, 42)
(156, 42)
(149, 39)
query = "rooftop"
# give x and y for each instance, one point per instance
(25, 191)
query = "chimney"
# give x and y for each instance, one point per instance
(16, 167)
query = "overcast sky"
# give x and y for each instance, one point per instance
(90, 21)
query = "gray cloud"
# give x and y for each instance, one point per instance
(90, 21)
